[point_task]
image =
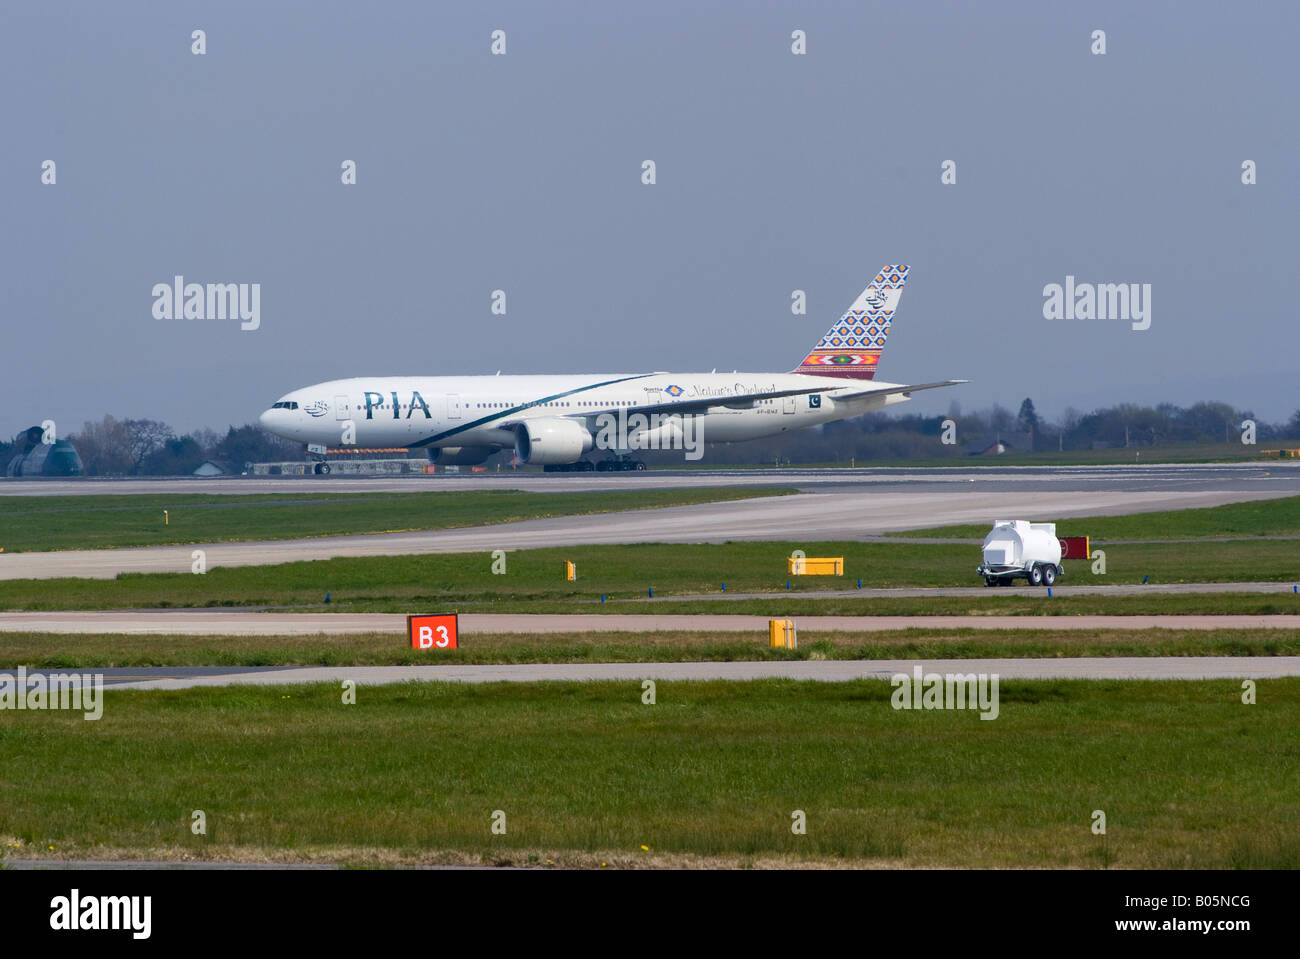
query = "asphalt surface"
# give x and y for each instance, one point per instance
(242, 623)
(1277, 475)
(1149, 667)
(844, 505)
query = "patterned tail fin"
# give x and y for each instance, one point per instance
(852, 346)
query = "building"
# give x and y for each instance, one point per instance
(212, 468)
(35, 458)
(1004, 441)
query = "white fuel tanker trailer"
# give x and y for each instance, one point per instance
(1017, 548)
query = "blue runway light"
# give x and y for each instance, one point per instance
(1049, 592)
(787, 584)
(652, 592)
(602, 597)
(1145, 578)
(859, 582)
(724, 587)
(327, 597)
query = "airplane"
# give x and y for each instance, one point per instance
(555, 420)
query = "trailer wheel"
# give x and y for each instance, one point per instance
(1049, 575)
(990, 580)
(1035, 575)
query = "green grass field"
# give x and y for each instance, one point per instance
(534, 581)
(76, 651)
(88, 522)
(586, 774)
(1272, 517)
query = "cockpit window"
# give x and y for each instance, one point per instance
(282, 405)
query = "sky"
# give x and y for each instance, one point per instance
(522, 172)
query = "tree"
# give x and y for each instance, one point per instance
(1212, 421)
(144, 437)
(176, 457)
(1027, 420)
(208, 441)
(999, 419)
(252, 444)
(105, 447)
(1293, 425)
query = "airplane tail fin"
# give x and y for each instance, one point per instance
(852, 347)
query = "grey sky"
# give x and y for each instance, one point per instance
(775, 172)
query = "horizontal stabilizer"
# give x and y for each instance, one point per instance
(885, 390)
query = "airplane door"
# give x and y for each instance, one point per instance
(453, 406)
(340, 407)
(787, 404)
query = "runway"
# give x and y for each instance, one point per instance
(796, 519)
(1281, 476)
(1154, 667)
(243, 623)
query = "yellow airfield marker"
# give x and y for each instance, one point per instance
(781, 634)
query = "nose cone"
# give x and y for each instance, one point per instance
(266, 419)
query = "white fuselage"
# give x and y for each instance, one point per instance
(458, 411)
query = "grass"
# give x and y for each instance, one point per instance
(77, 651)
(586, 774)
(1037, 604)
(534, 581)
(103, 522)
(1271, 517)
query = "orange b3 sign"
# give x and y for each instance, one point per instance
(433, 632)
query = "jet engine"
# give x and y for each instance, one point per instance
(551, 441)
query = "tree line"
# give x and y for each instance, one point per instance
(143, 447)
(910, 436)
